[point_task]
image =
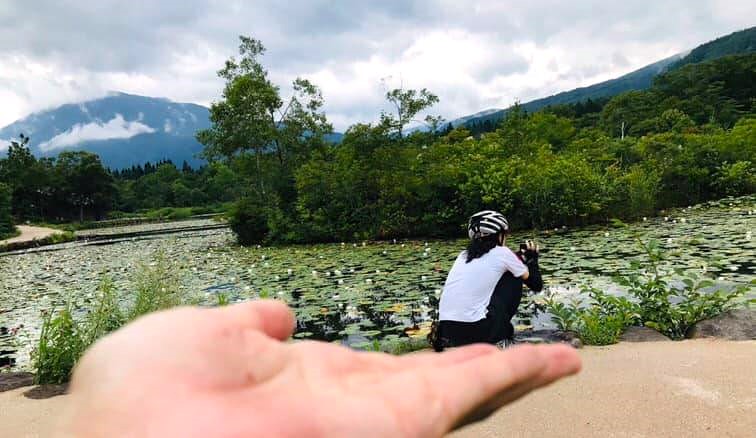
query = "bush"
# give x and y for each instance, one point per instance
(6, 224)
(597, 321)
(59, 348)
(736, 178)
(248, 219)
(673, 308)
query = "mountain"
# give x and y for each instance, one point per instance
(740, 42)
(123, 129)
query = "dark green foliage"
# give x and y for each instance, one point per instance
(6, 222)
(248, 218)
(740, 42)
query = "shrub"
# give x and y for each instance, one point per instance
(248, 219)
(673, 308)
(59, 348)
(600, 320)
(6, 224)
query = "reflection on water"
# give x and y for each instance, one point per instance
(353, 293)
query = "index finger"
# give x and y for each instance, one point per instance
(473, 389)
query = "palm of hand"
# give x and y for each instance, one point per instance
(225, 372)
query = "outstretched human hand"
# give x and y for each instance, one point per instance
(225, 372)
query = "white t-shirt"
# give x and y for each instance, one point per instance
(469, 286)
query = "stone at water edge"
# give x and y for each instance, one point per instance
(735, 325)
(642, 334)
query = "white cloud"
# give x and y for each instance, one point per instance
(475, 55)
(167, 126)
(116, 128)
(4, 144)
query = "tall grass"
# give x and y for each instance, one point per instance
(64, 338)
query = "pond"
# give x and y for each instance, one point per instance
(358, 292)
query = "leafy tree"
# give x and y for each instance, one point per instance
(6, 223)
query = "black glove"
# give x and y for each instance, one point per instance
(529, 254)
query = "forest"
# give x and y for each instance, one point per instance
(691, 137)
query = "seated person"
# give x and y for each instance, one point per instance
(484, 286)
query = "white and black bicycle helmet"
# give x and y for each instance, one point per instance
(485, 223)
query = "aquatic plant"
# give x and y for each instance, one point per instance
(672, 300)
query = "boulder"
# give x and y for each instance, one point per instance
(642, 334)
(736, 325)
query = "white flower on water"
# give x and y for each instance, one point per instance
(280, 293)
(258, 246)
(423, 278)
(669, 240)
(606, 234)
(674, 221)
(328, 273)
(683, 220)
(377, 271)
(337, 272)
(368, 281)
(314, 273)
(351, 270)
(335, 297)
(402, 245)
(666, 218)
(645, 218)
(289, 271)
(266, 264)
(363, 243)
(342, 244)
(394, 241)
(572, 248)
(253, 265)
(384, 252)
(277, 278)
(748, 236)
(341, 281)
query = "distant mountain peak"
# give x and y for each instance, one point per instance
(124, 129)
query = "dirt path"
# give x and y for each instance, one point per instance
(656, 389)
(29, 233)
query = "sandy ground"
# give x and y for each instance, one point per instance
(30, 233)
(655, 389)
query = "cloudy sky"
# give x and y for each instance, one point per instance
(474, 54)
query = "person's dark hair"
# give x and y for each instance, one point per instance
(480, 246)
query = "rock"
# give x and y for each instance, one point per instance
(642, 334)
(736, 325)
(10, 381)
(576, 343)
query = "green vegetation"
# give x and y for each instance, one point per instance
(666, 299)
(6, 223)
(64, 338)
(688, 139)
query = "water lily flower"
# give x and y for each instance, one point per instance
(354, 245)
(423, 278)
(606, 234)
(402, 245)
(384, 252)
(377, 271)
(368, 281)
(289, 271)
(277, 278)
(683, 220)
(263, 256)
(341, 281)
(363, 243)
(314, 273)
(266, 264)
(328, 273)
(394, 241)
(337, 272)
(645, 218)
(666, 218)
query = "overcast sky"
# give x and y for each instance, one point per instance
(474, 54)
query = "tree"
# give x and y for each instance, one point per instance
(6, 224)
(252, 116)
(407, 104)
(86, 183)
